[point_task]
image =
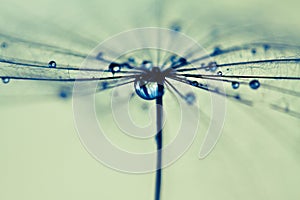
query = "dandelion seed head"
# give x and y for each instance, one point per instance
(149, 85)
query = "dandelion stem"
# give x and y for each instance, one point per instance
(159, 141)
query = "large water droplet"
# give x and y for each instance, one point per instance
(235, 85)
(52, 64)
(148, 90)
(254, 84)
(5, 80)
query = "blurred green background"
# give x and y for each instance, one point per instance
(41, 155)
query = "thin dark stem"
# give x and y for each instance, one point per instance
(159, 142)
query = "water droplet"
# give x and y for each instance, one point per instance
(148, 90)
(220, 73)
(103, 85)
(190, 98)
(52, 64)
(64, 92)
(194, 83)
(235, 85)
(131, 59)
(212, 66)
(266, 47)
(5, 80)
(147, 64)
(177, 62)
(237, 97)
(176, 27)
(99, 56)
(173, 58)
(254, 84)
(217, 51)
(182, 61)
(114, 67)
(3, 45)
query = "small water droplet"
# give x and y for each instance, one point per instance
(99, 56)
(177, 62)
(217, 51)
(173, 58)
(4, 45)
(176, 27)
(5, 80)
(190, 98)
(147, 64)
(182, 61)
(235, 85)
(52, 64)
(238, 97)
(64, 93)
(103, 85)
(254, 84)
(131, 59)
(212, 66)
(266, 47)
(194, 83)
(220, 73)
(114, 67)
